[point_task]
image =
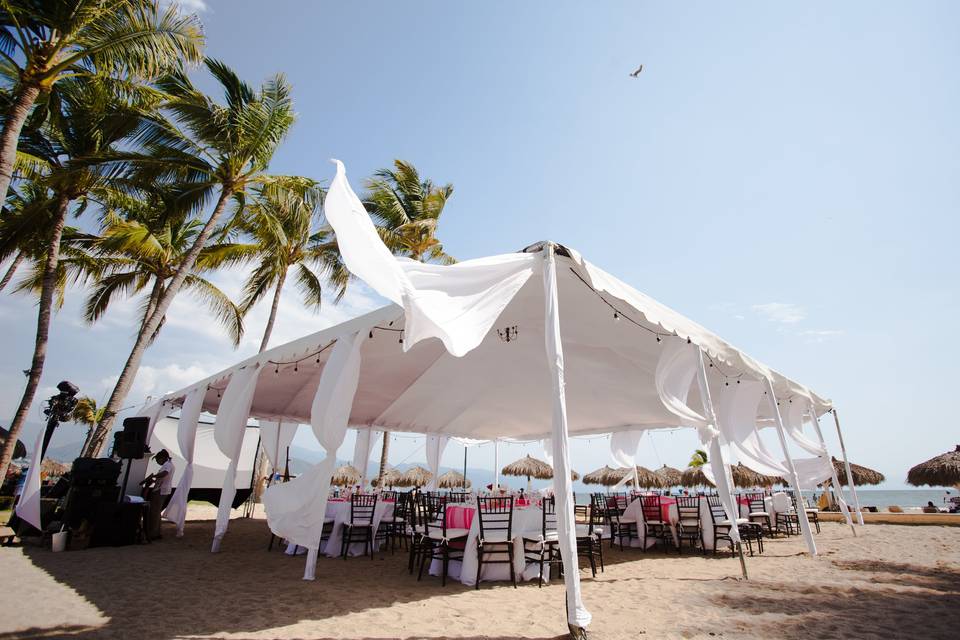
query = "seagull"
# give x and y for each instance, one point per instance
(637, 72)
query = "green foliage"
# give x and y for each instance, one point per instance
(698, 459)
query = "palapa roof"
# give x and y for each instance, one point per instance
(415, 477)
(648, 479)
(605, 476)
(942, 471)
(861, 475)
(346, 476)
(530, 467)
(669, 477)
(452, 480)
(693, 477)
(390, 478)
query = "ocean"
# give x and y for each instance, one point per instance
(903, 498)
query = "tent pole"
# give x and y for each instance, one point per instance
(723, 479)
(795, 478)
(835, 481)
(846, 465)
(464, 467)
(496, 465)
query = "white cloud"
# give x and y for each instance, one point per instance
(155, 381)
(780, 312)
(819, 335)
(188, 6)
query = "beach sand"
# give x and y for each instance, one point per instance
(890, 582)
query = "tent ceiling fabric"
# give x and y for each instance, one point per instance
(502, 388)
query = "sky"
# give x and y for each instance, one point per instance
(784, 174)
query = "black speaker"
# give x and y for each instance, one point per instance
(116, 525)
(131, 444)
(93, 472)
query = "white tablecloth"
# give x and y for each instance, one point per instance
(526, 522)
(340, 513)
(635, 511)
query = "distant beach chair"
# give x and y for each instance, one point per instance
(894, 509)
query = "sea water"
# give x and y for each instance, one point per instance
(906, 498)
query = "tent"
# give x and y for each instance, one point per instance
(538, 344)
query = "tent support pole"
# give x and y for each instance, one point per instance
(721, 470)
(835, 481)
(846, 465)
(794, 477)
(464, 467)
(496, 464)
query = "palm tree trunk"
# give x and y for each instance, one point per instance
(47, 289)
(273, 312)
(23, 98)
(132, 365)
(12, 269)
(383, 453)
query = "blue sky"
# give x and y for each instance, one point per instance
(784, 174)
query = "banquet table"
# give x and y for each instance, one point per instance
(338, 509)
(668, 513)
(527, 522)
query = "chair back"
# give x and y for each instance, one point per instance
(620, 499)
(433, 512)
(781, 502)
(362, 506)
(459, 497)
(495, 515)
(651, 508)
(549, 516)
(688, 508)
(755, 501)
(717, 512)
(388, 496)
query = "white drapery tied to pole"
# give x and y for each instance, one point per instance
(367, 439)
(577, 615)
(176, 511)
(296, 510)
(28, 509)
(228, 431)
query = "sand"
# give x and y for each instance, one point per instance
(890, 582)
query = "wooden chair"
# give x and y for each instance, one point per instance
(758, 511)
(440, 542)
(813, 514)
(360, 527)
(590, 539)
(496, 534)
(546, 547)
(689, 527)
(653, 523)
(721, 525)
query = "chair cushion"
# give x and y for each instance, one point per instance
(689, 522)
(358, 525)
(759, 513)
(627, 520)
(452, 534)
(494, 536)
(812, 510)
(655, 522)
(583, 531)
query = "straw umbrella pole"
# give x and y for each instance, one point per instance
(529, 467)
(942, 471)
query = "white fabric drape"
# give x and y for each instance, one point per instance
(228, 430)
(459, 308)
(28, 508)
(795, 478)
(296, 509)
(623, 450)
(435, 446)
(737, 416)
(176, 511)
(547, 447)
(367, 439)
(275, 437)
(835, 481)
(676, 369)
(577, 613)
(718, 465)
(792, 415)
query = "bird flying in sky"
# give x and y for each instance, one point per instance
(637, 72)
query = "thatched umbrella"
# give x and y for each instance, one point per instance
(529, 467)
(648, 479)
(346, 476)
(452, 480)
(19, 451)
(415, 477)
(693, 477)
(390, 478)
(861, 475)
(669, 477)
(942, 471)
(745, 477)
(605, 476)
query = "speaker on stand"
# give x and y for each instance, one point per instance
(131, 444)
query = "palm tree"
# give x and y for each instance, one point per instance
(280, 223)
(88, 414)
(698, 459)
(407, 210)
(88, 119)
(208, 149)
(43, 43)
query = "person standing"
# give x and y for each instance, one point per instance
(159, 487)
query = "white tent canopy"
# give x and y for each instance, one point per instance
(538, 344)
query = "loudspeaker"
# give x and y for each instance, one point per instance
(94, 472)
(131, 444)
(116, 525)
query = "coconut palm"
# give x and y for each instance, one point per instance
(210, 150)
(43, 43)
(698, 459)
(88, 414)
(89, 119)
(407, 210)
(282, 226)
